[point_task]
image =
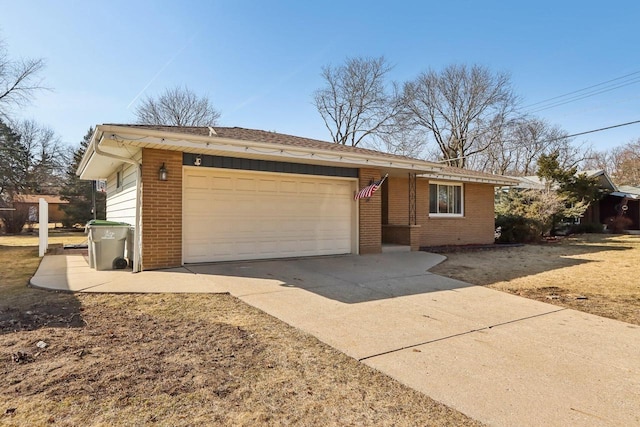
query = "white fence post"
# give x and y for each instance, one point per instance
(43, 231)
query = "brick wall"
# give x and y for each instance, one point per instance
(398, 201)
(399, 230)
(396, 234)
(408, 235)
(161, 210)
(370, 218)
(477, 226)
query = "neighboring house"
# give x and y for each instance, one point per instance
(611, 204)
(624, 201)
(534, 182)
(202, 194)
(31, 202)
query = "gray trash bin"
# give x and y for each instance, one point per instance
(106, 244)
(92, 262)
(130, 239)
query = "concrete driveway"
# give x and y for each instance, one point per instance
(498, 358)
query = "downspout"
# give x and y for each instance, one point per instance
(137, 230)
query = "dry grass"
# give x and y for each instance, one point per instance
(55, 238)
(179, 360)
(603, 268)
(19, 258)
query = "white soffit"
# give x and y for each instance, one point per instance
(249, 149)
(497, 180)
(100, 167)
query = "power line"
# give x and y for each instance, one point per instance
(581, 90)
(569, 136)
(583, 96)
(594, 130)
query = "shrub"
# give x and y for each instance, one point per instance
(14, 220)
(517, 229)
(618, 224)
(589, 227)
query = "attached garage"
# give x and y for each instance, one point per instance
(205, 194)
(243, 215)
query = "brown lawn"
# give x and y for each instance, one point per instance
(177, 360)
(595, 273)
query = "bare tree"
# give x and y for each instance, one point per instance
(38, 159)
(178, 106)
(520, 145)
(19, 81)
(404, 141)
(605, 160)
(355, 103)
(622, 163)
(31, 162)
(629, 169)
(48, 155)
(463, 108)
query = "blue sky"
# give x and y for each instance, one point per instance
(260, 61)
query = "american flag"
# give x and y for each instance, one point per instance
(368, 191)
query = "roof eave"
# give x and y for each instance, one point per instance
(88, 154)
(468, 178)
(173, 140)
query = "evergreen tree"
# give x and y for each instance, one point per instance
(573, 192)
(526, 215)
(13, 170)
(12, 178)
(568, 182)
(79, 192)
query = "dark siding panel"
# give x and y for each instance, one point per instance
(189, 159)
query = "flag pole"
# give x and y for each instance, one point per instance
(368, 191)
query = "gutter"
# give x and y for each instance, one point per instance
(137, 230)
(470, 178)
(196, 142)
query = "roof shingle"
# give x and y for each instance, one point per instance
(267, 137)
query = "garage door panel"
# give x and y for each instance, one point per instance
(288, 187)
(245, 184)
(221, 183)
(307, 187)
(196, 182)
(196, 251)
(241, 215)
(344, 190)
(267, 186)
(327, 189)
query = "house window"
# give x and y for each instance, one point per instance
(445, 199)
(119, 180)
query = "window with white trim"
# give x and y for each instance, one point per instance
(119, 174)
(445, 199)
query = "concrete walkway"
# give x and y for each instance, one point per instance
(498, 358)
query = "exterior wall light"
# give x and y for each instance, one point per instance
(162, 173)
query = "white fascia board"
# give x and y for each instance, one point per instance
(195, 142)
(88, 154)
(477, 179)
(625, 195)
(101, 158)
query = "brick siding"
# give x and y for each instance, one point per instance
(398, 199)
(161, 210)
(477, 226)
(370, 219)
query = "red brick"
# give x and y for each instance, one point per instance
(370, 220)
(161, 210)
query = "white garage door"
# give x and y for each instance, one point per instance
(240, 215)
